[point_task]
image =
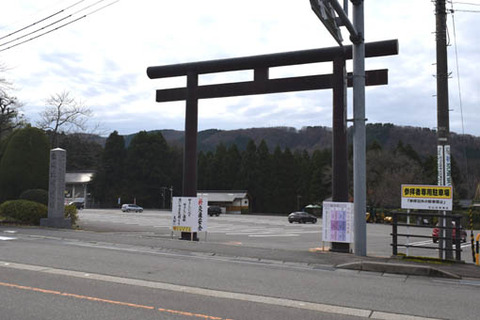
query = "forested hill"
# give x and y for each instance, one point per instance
(465, 148)
(310, 139)
(270, 171)
(422, 140)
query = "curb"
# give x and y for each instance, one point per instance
(397, 268)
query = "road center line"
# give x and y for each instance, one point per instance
(217, 293)
(115, 302)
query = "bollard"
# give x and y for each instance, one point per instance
(470, 214)
(477, 250)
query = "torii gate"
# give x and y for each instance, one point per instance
(262, 84)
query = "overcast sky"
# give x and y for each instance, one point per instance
(102, 60)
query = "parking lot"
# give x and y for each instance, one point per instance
(253, 231)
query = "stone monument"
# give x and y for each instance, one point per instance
(56, 191)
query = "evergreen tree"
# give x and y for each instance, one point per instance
(219, 168)
(147, 168)
(248, 173)
(321, 178)
(176, 171)
(430, 168)
(233, 161)
(407, 151)
(203, 171)
(263, 178)
(82, 153)
(374, 146)
(303, 173)
(283, 181)
(109, 181)
(25, 163)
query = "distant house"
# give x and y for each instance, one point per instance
(76, 187)
(230, 201)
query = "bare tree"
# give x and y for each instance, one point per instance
(63, 114)
(10, 117)
(4, 83)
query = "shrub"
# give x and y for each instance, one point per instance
(72, 213)
(24, 211)
(37, 195)
(25, 163)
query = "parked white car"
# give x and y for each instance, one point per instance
(131, 207)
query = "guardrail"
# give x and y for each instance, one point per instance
(429, 216)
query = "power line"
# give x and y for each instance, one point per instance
(51, 24)
(470, 11)
(459, 87)
(35, 31)
(42, 34)
(40, 21)
(465, 3)
(31, 25)
(54, 23)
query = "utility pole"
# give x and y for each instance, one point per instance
(326, 10)
(340, 146)
(359, 135)
(443, 128)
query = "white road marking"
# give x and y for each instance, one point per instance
(228, 225)
(320, 307)
(6, 238)
(272, 235)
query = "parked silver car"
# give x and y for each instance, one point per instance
(131, 207)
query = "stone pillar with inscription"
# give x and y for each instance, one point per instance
(56, 191)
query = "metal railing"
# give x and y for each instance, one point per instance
(430, 217)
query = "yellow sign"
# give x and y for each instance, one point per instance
(424, 197)
(419, 191)
(182, 229)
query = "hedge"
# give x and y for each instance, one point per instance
(24, 211)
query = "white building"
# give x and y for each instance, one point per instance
(230, 201)
(76, 186)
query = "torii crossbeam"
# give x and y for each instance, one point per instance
(261, 84)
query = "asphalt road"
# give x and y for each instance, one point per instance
(131, 270)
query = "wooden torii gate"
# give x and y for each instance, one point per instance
(262, 84)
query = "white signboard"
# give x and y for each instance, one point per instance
(189, 214)
(448, 165)
(440, 165)
(337, 222)
(425, 197)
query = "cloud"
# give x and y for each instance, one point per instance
(103, 58)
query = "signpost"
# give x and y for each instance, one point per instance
(429, 197)
(425, 197)
(337, 222)
(325, 12)
(189, 214)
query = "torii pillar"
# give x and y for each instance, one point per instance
(262, 84)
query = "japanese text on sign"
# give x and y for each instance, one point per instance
(427, 197)
(189, 214)
(337, 222)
